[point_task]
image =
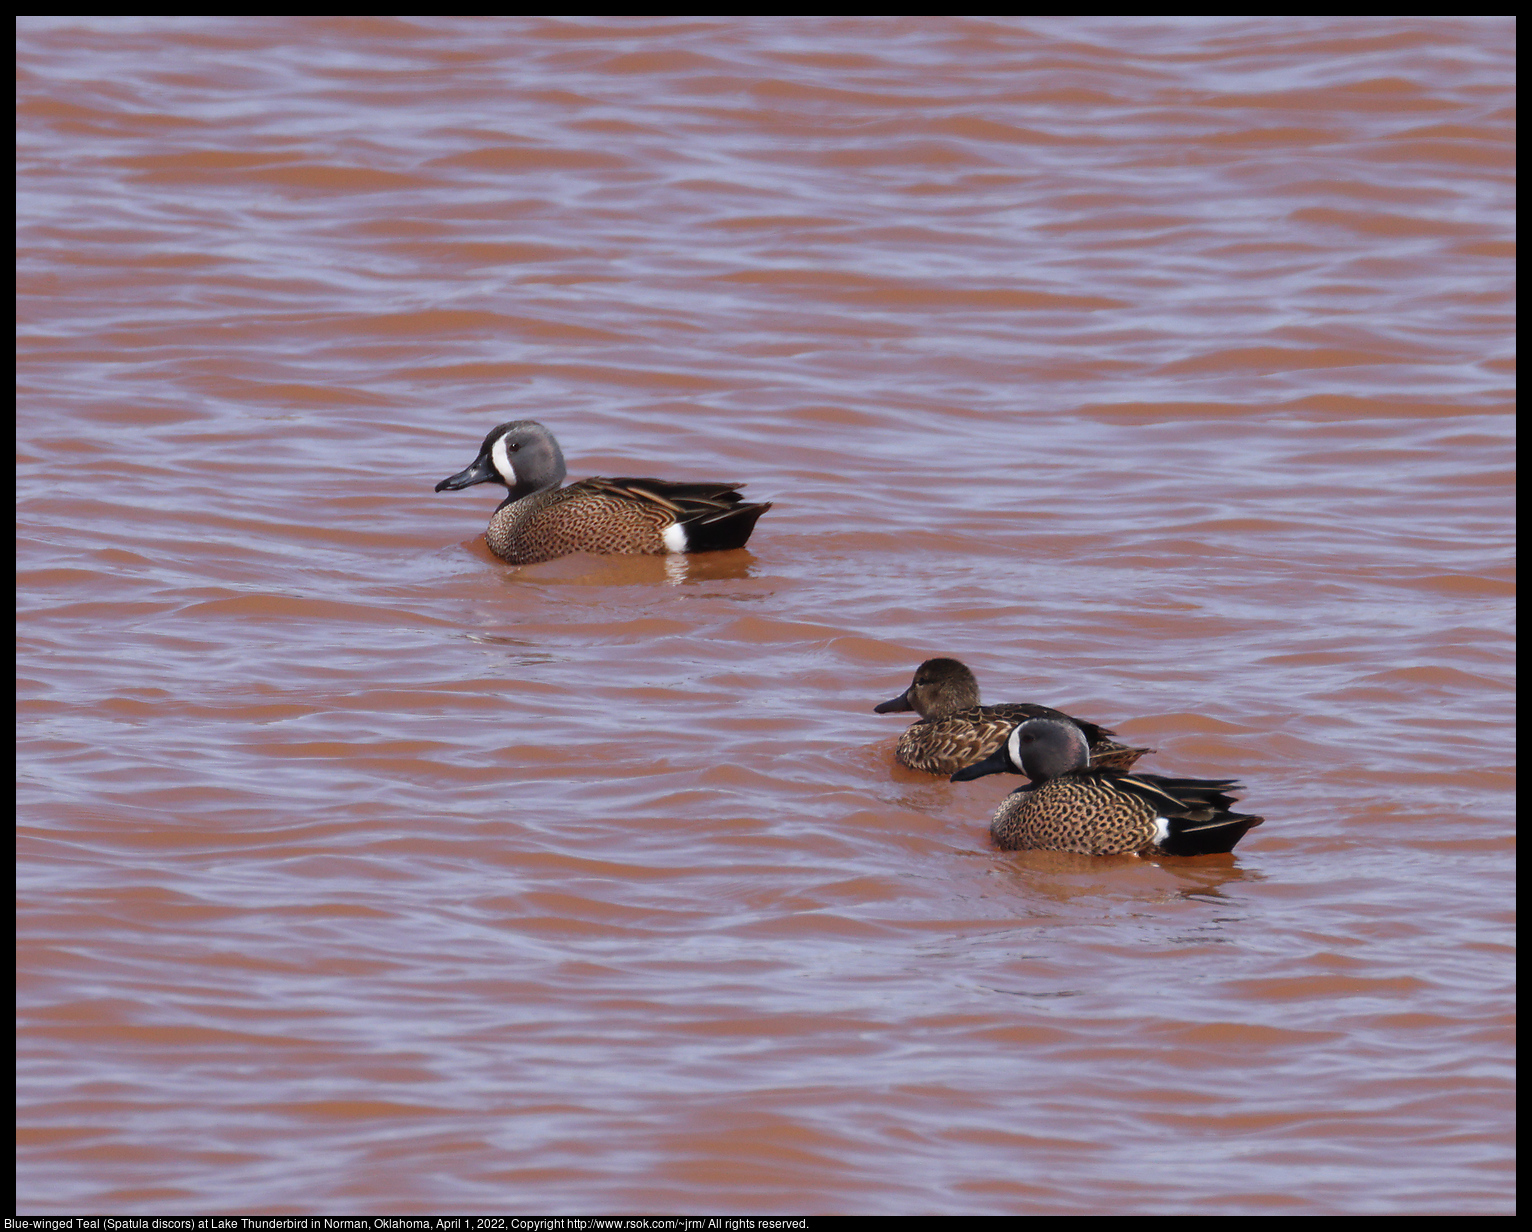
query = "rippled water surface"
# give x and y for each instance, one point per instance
(1159, 370)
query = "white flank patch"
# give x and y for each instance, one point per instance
(674, 538)
(1161, 830)
(501, 457)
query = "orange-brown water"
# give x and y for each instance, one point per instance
(1161, 370)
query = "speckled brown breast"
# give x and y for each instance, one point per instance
(947, 745)
(1070, 814)
(580, 518)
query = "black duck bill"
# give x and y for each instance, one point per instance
(480, 470)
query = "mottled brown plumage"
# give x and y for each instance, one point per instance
(615, 517)
(954, 730)
(1070, 805)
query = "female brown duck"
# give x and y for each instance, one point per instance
(954, 730)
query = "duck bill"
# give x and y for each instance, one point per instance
(995, 763)
(482, 470)
(902, 702)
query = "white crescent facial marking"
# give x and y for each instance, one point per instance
(674, 538)
(501, 457)
(1013, 746)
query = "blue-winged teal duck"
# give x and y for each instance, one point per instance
(955, 730)
(614, 517)
(1070, 805)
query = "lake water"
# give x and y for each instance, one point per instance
(1160, 370)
